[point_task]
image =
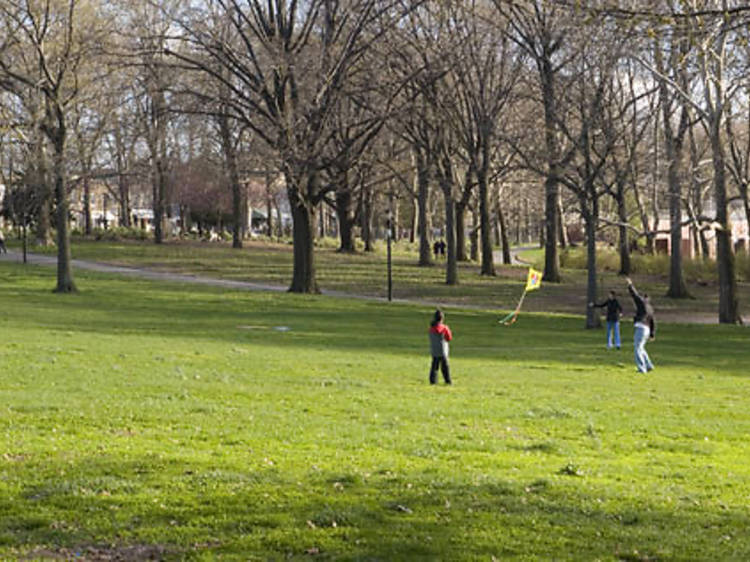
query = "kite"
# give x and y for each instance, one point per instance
(533, 282)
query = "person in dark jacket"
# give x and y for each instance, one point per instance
(614, 312)
(440, 335)
(644, 328)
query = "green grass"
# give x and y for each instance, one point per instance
(178, 421)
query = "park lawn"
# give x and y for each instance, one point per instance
(366, 274)
(183, 422)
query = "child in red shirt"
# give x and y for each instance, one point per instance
(440, 335)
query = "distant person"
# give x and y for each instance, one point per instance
(440, 335)
(436, 249)
(442, 248)
(3, 249)
(614, 312)
(644, 328)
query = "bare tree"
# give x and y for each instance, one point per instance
(149, 28)
(542, 29)
(64, 36)
(626, 121)
(674, 143)
(713, 37)
(286, 79)
(590, 148)
(486, 70)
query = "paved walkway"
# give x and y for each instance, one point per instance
(42, 259)
(514, 259)
(50, 261)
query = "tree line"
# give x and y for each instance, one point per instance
(492, 111)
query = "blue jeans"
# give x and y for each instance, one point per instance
(640, 337)
(613, 328)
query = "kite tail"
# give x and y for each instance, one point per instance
(511, 318)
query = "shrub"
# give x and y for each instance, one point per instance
(120, 233)
(657, 264)
(575, 257)
(700, 270)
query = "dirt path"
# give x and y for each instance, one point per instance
(153, 275)
(50, 261)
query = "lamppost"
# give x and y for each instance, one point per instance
(389, 237)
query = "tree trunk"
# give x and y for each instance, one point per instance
(43, 194)
(159, 194)
(551, 216)
(124, 200)
(446, 183)
(158, 149)
(451, 264)
(230, 157)
(488, 266)
(279, 222)
(461, 232)
(624, 243)
(562, 230)
(366, 218)
(269, 206)
(345, 216)
(677, 286)
(674, 147)
(414, 217)
(504, 235)
(551, 183)
(728, 302)
(590, 220)
(527, 220)
(423, 193)
(705, 250)
(474, 237)
(87, 206)
(303, 234)
(395, 209)
(65, 282)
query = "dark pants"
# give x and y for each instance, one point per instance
(444, 367)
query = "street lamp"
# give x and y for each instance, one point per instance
(389, 237)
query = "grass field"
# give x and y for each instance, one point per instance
(180, 422)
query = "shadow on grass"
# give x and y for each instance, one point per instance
(179, 510)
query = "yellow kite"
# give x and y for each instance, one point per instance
(533, 281)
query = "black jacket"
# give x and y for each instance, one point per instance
(614, 310)
(644, 312)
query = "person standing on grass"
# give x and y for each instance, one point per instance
(3, 249)
(644, 327)
(440, 335)
(614, 312)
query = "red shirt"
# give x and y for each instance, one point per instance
(443, 330)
